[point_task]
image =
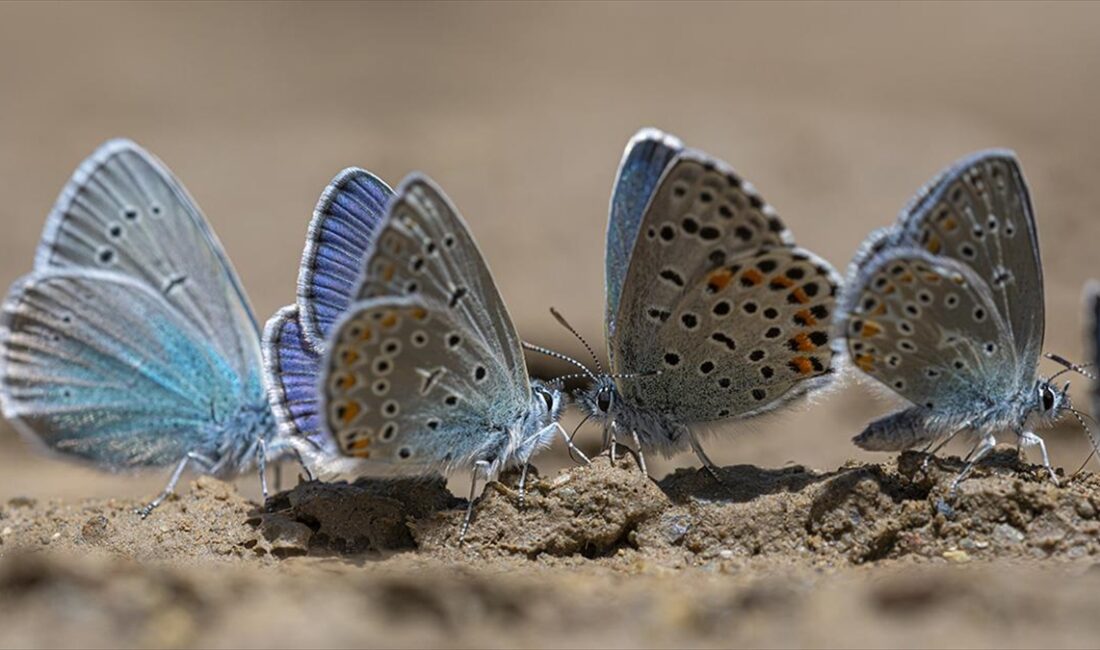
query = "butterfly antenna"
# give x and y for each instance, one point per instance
(565, 378)
(1080, 416)
(561, 357)
(635, 375)
(1082, 467)
(1069, 366)
(566, 325)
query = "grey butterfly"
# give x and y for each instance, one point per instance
(425, 371)
(713, 314)
(1092, 346)
(132, 344)
(946, 309)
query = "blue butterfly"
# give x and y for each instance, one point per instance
(946, 309)
(425, 372)
(132, 343)
(713, 314)
(343, 227)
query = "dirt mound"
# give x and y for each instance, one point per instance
(856, 514)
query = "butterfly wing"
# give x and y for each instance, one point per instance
(124, 212)
(978, 212)
(647, 155)
(710, 257)
(407, 386)
(342, 230)
(100, 366)
(1092, 345)
(926, 326)
(424, 250)
(291, 369)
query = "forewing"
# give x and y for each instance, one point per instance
(100, 366)
(978, 213)
(343, 228)
(926, 327)
(425, 251)
(647, 155)
(124, 212)
(701, 217)
(292, 369)
(407, 386)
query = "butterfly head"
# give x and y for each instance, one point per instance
(599, 399)
(1050, 400)
(537, 428)
(547, 402)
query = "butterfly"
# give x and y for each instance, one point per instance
(132, 344)
(713, 314)
(425, 371)
(344, 224)
(945, 308)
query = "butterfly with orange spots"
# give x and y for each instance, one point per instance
(713, 314)
(946, 309)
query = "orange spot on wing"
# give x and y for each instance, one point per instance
(366, 335)
(805, 317)
(388, 272)
(800, 296)
(359, 445)
(419, 313)
(802, 365)
(933, 246)
(348, 356)
(906, 278)
(865, 362)
(344, 381)
(348, 412)
(389, 320)
(719, 279)
(880, 310)
(802, 343)
(870, 329)
(949, 224)
(752, 277)
(782, 282)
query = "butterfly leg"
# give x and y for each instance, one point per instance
(609, 442)
(191, 457)
(711, 468)
(480, 467)
(1029, 439)
(985, 445)
(521, 498)
(261, 463)
(641, 456)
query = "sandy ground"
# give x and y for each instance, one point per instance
(598, 556)
(836, 112)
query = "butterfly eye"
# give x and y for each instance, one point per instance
(603, 401)
(549, 399)
(1048, 398)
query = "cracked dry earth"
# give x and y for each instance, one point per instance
(863, 556)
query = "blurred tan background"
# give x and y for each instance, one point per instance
(836, 112)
